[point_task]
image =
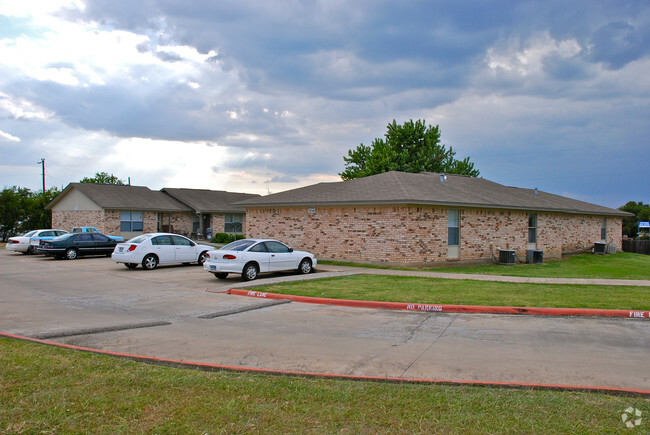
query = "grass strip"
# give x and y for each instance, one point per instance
(52, 390)
(468, 292)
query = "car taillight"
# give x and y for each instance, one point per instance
(229, 257)
(132, 247)
(15, 241)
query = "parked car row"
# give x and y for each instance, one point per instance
(247, 257)
(28, 243)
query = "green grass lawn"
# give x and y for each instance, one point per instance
(623, 265)
(51, 390)
(467, 292)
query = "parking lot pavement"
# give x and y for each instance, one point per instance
(167, 313)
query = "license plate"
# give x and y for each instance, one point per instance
(120, 249)
(213, 267)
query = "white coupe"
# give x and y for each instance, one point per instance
(250, 257)
(153, 249)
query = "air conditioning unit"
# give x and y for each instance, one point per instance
(534, 256)
(599, 248)
(507, 256)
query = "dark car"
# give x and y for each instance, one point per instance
(71, 246)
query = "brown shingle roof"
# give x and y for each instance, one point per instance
(124, 197)
(426, 188)
(210, 201)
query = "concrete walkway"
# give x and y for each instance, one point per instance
(331, 271)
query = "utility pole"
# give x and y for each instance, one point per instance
(42, 162)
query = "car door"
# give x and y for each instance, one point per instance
(102, 244)
(281, 256)
(260, 254)
(184, 249)
(163, 247)
(84, 244)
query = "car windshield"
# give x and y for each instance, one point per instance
(139, 239)
(238, 245)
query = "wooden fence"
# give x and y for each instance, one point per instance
(636, 246)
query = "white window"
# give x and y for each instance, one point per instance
(131, 221)
(453, 228)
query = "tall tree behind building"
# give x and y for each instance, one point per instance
(411, 147)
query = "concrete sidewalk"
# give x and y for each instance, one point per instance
(331, 271)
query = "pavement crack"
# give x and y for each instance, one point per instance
(432, 343)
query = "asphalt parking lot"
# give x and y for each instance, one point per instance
(174, 312)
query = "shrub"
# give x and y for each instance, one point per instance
(226, 238)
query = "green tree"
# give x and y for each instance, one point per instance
(36, 216)
(102, 178)
(411, 147)
(22, 210)
(12, 210)
(641, 213)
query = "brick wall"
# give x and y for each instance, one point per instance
(418, 234)
(68, 219)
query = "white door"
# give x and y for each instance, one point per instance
(281, 257)
(259, 253)
(184, 249)
(163, 247)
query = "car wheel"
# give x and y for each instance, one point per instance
(71, 254)
(131, 265)
(305, 266)
(250, 272)
(150, 262)
(221, 275)
(202, 258)
(31, 250)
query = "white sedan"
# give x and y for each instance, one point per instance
(28, 242)
(250, 257)
(153, 249)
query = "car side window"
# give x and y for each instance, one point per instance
(99, 237)
(182, 241)
(84, 237)
(276, 247)
(260, 247)
(45, 234)
(162, 241)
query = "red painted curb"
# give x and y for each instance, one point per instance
(475, 309)
(214, 367)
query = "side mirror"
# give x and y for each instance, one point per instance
(290, 249)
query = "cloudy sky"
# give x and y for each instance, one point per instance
(259, 96)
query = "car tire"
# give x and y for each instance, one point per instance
(305, 266)
(131, 265)
(71, 254)
(250, 272)
(150, 262)
(201, 259)
(221, 275)
(31, 250)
